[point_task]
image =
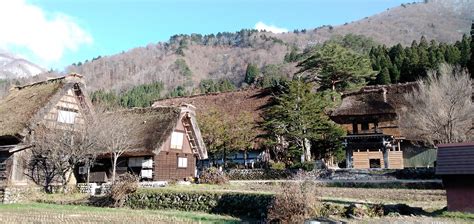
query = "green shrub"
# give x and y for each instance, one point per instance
(259, 174)
(278, 166)
(252, 205)
(213, 176)
(306, 166)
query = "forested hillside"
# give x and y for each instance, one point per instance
(195, 63)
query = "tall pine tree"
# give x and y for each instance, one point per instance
(337, 68)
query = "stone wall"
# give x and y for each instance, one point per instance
(10, 195)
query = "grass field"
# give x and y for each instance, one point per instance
(429, 200)
(432, 201)
(49, 213)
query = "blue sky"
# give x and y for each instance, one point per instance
(77, 30)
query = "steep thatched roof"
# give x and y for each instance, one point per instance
(149, 127)
(232, 103)
(23, 103)
(373, 100)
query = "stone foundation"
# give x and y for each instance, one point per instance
(10, 195)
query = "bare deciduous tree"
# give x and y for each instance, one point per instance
(441, 109)
(114, 134)
(56, 152)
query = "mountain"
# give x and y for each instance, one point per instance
(13, 67)
(186, 60)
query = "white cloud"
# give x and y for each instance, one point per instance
(43, 35)
(270, 28)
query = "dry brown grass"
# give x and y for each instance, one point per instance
(294, 202)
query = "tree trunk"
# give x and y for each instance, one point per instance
(245, 158)
(114, 167)
(333, 90)
(224, 159)
(307, 148)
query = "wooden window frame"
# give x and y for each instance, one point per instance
(186, 162)
(66, 120)
(182, 141)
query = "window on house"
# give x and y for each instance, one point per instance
(177, 140)
(66, 117)
(3, 164)
(182, 162)
(354, 128)
(365, 126)
(374, 163)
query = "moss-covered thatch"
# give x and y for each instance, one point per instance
(23, 103)
(371, 101)
(149, 127)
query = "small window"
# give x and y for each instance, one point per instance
(375, 163)
(3, 164)
(177, 140)
(182, 162)
(66, 117)
(365, 126)
(354, 128)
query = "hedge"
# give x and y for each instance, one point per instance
(239, 204)
(259, 174)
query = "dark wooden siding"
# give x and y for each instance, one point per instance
(5, 173)
(166, 166)
(459, 192)
(455, 159)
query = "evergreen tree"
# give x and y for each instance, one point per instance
(465, 50)
(337, 68)
(298, 116)
(383, 78)
(251, 73)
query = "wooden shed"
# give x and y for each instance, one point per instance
(455, 164)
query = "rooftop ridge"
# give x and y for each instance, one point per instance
(213, 93)
(377, 88)
(49, 80)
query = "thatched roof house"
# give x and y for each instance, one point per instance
(165, 142)
(56, 103)
(380, 101)
(151, 127)
(370, 116)
(232, 103)
(28, 104)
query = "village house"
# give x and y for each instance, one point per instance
(374, 139)
(167, 145)
(234, 103)
(455, 164)
(54, 103)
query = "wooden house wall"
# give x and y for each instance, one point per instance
(186, 145)
(361, 159)
(166, 162)
(387, 127)
(5, 174)
(69, 101)
(166, 166)
(395, 160)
